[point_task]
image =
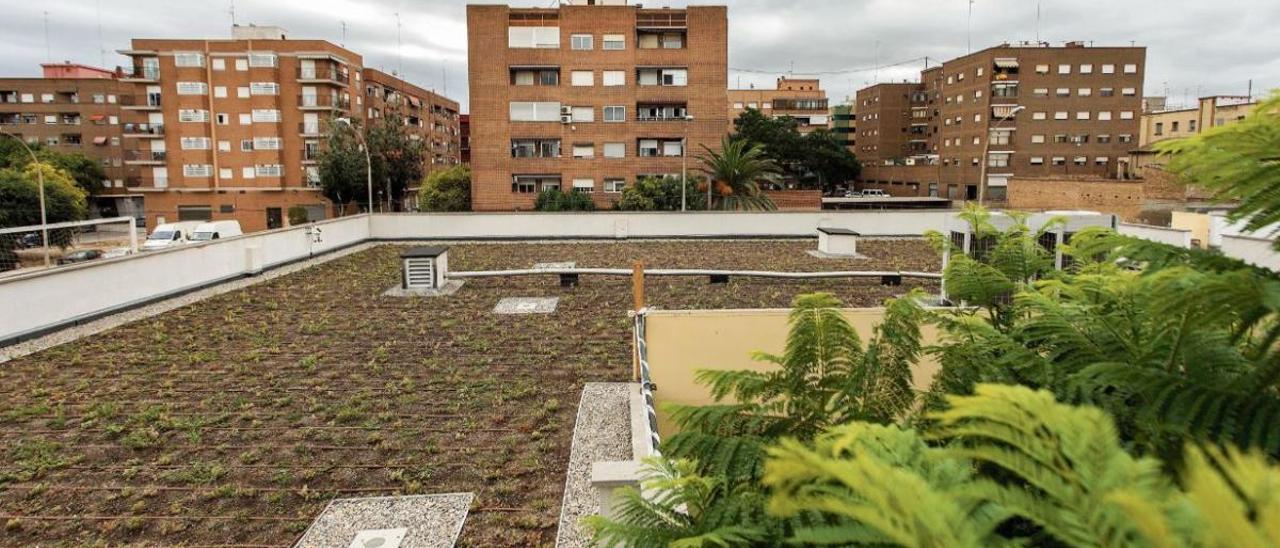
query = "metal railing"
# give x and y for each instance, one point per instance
(144, 129)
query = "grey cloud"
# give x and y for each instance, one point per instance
(1213, 47)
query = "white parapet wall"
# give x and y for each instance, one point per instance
(61, 296)
(1173, 236)
(1252, 250)
(618, 225)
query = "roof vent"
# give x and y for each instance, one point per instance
(424, 267)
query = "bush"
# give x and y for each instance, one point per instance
(654, 194)
(298, 215)
(553, 199)
(447, 190)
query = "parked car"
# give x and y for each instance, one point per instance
(215, 230)
(170, 234)
(80, 256)
(29, 240)
(873, 193)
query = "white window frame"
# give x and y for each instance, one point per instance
(197, 170)
(268, 170)
(582, 42)
(192, 88)
(586, 186)
(615, 150)
(613, 78)
(613, 42)
(265, 116)
(619, 113)
(582, 78)
(193, 115)
(524, 111)
(188, 59)
(614, 185)
(584, 114)
(584, 151)
(263, 60)
(1130, 68)
(264, 88)
(194, 143)
(267, 143)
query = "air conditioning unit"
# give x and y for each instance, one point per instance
(566, 111)
(566, 118)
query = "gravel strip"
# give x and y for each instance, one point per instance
(430, 521)
(602, 433)
(115, 320)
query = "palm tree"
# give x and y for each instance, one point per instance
(736, 172)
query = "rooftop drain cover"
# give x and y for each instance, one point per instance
(379, 538)
(526, 305)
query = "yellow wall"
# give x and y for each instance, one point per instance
(1197, 223)
(682, 342)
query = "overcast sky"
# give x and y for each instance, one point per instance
(1193, 47)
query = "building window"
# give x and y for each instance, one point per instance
(648, 148)
(614, 186)
(1037, 160)
(1131, 69)
(1040, 92)
(1060, 138)
(266, 115)
(264, 88)
(1084, 92)
(581, 42)
(1037, 139)
(1064, 69)
(614, 78)
(535, 77)
(219, 64)
(188, 60)
(194, 143)
(1082, 115)
(1104, 115)
(268, 170)
(242, 92)
(584, 151)
(247, 173)
(1042, 69)
(193, 115)
(615, 150)
(1107, 92)
(192, 88)
(1060, 115)
(1125, 138)
(535, 112)
(1108, 69)
(614, 42)
(1159, 128)
(1101, 160)
(615, 114)
(1126, 115)
(1191, 126)
(533, 37)
(263, 60)
(1038, 116)
(1080, 160)
(197, 170)
(266, 143)
(998, 159)
(1104, 139)
(1064, 92)
(1086, 69)
(529, 184)
(582, 78)
(586, 186)
(1059, 161)
(584, 114)
(535, 148)
(1128, 92)
(246, 145)
(245, 119)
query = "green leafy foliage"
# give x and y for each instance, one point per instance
(446, 190)
(20, 198)
(553, 199)
(813, 160)
(661, 194)
(86, 172)
(736, 173)
(297, 215)
(342, 166)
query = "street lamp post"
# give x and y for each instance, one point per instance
(44, 219)
(684, 166)
(368, 159)
(986, 149)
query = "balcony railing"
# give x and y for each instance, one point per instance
(144, 101)
(323, 73)
(323, 101)
(143, 73)
(310, 154)
(144, 129)
(147, 156)
(308, 129)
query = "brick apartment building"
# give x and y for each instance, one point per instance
(75, 109)
(844, 125)
(800, 99)
(230, 128)
(432, 117)
(592, 95)
(464, 136)
(1079, 117)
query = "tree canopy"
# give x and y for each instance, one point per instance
(86, 172)
(446, 190)
(815, 160)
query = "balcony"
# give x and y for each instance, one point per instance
(661, 112)
(141, 157)
(144, 131)
(806, 105)
(323, 102)
(310, 154)
(150, 101)
(142, 74)
(323, 75)
(310, 130)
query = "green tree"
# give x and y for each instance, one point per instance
(826, 376)
(553, 199)
(446, 190)
(298, 215)
(87, 173)
(736, 172)
(342, 166)
(1239, 163)
(661, 194)
(397, 157)
(20, 196)
(814, 160)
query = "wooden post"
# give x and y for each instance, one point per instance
(637, 294)
(637, 284)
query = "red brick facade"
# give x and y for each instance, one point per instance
(604, 41)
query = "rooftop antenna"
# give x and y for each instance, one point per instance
(48, 52)
(102, 47)
(875, 75)
(1249, 98)
(1037, 21)
(399, 47)
(344, 34)
(969, 30)
(232, 10)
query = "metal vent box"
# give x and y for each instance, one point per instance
(424, 267)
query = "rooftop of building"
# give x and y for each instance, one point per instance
(235, 418)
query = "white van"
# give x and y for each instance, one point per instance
(214, 230)
(170, 234)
